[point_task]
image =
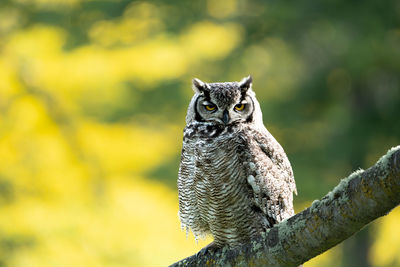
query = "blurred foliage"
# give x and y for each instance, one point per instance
(93, 96)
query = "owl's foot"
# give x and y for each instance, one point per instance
(210, 248)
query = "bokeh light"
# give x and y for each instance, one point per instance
(93, 96)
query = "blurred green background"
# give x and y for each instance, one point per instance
(93, 96)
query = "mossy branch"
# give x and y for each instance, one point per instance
(356, 201)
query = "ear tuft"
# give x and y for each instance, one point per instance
(198, 86)
(245, 83)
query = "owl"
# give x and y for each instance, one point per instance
(235, 180)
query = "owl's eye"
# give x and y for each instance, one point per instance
(239, 107)
(210, 107)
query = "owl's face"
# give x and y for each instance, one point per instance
(223, 103)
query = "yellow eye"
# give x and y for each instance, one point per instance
(239, 107)
(210, 107)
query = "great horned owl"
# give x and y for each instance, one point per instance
(234, 179)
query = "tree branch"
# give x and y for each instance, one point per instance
(356, 201)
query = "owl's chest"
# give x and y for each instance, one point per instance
(219, 166)
(216, 153)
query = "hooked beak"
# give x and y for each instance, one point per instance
(225, 117)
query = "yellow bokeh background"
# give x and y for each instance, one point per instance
(75, 190)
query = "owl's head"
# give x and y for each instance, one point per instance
(224, 103)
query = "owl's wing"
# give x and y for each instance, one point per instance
(188, 207)
(271, 177)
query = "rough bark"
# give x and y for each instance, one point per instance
(353, 203)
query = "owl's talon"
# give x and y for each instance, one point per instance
(210, 248)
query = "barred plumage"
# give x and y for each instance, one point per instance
(234, 179)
